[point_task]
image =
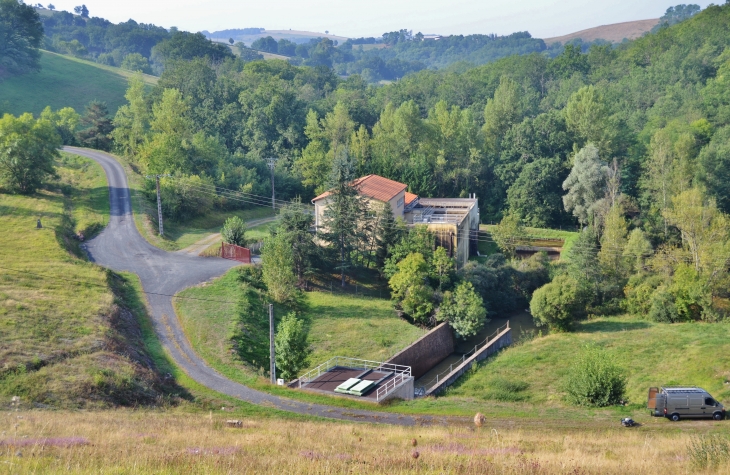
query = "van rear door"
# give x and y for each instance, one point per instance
(651, 403)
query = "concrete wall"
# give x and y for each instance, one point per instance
(403, 391)
(502, 340)
(427, 351)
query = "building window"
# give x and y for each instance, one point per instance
(400, 203)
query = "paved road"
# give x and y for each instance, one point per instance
(120, 247)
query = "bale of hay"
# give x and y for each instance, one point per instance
(479, 419)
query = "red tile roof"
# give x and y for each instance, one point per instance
(374, 186)
(410, 197)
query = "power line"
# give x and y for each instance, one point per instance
(473, 234)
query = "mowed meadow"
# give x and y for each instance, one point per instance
(127, 441)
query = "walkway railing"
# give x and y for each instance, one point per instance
(346, 362)
(468, 354)
(390, 385)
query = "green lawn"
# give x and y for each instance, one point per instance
(65, 82)
(179, 234)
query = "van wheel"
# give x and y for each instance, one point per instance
(718, 416)
(674, 417)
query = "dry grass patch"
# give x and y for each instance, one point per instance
(123, 441)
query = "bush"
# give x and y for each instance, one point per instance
(234, 231)
(494, 281)
(639, 292)
(595, 380)
(557, 304)
(663, 308)
(182, 197)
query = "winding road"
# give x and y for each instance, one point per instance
(120, 247)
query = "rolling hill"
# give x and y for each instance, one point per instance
(295, 36)
(614, 33)
(65, 81)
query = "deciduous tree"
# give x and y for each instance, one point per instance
(277, 262)
(292, 349)
(21, 33)
(464, 310)
(28, 148)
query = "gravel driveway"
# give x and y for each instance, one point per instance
(120, 247)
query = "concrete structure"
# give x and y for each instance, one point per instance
(426, 352)
(388, 380)
(454, 221)
(501, 340)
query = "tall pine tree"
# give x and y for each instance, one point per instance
(345, 211)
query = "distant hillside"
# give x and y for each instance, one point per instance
(249, 35)
(615, 32)
(65, 82)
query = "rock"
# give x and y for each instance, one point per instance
(415, 454)
(479, 419)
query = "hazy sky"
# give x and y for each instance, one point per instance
(355, 18)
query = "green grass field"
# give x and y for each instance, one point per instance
(65, 81)
(530, 377)
(59, 317)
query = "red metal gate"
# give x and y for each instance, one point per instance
(236, 253)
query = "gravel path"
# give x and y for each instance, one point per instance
(120, 247)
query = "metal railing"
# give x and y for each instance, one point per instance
(466, 355)
(390, 385)
(346, 362)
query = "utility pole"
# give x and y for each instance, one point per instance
(272, 356)
(272, 163)
(159, 201)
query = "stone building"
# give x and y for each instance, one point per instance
(453, 221)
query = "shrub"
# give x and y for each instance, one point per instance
(181, 196)
(557, 304)
(639, 292)
(595, 379)
(234, 231)
(663, 308)
(691, 293)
